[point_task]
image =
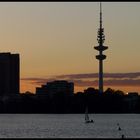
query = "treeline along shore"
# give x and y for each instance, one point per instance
(111, 101)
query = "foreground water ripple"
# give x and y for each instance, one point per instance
(69, 126)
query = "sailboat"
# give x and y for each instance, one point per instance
(87, 120)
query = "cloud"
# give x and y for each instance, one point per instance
(122, 75)
(78, 76)
(114, 82)
(38, 81)
(81, 80)
(95, 75)
(125, 82)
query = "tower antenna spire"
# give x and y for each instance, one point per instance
(100, 48)
(100, 15)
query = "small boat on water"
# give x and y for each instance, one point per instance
(87, 120)
(119, 129)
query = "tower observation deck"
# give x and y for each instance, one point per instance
(100, 48)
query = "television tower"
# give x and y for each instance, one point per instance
(100, 48)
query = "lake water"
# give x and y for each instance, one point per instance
(69, 126)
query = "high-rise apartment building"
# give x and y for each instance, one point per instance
(9, 73)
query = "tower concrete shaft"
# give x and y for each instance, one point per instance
(100, 48)
(100, 76)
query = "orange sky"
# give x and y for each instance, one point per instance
(56, 38)
(31, 86)
(27, 86)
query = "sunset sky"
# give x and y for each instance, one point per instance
(55, 40)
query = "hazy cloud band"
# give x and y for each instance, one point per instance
(110, 79)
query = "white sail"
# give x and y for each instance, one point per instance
(86, 114)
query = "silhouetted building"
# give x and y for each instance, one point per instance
(59, 86)
(131, 100)
(9, 73)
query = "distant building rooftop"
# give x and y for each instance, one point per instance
(57, 86)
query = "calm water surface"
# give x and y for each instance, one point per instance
(69, 126)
